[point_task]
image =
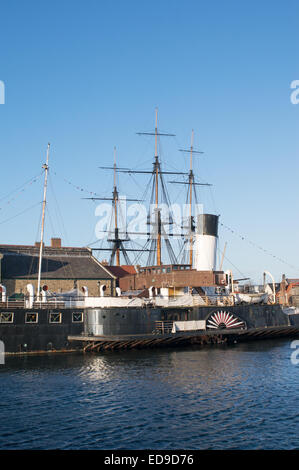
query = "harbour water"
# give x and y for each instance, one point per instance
(243, 396)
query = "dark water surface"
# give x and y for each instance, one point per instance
(222, 397)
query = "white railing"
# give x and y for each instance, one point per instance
(163, 327)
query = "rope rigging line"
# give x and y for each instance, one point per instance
(59, 216)
(226, 258)
(19, 190)
(36, 238)
(62, 260)
(257, 246)
(149, 188)
(20, 187)
(78, 188)
(20, 213)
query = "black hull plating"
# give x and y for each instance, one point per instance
(128, 321)
(126, 327)
(136, 328)
(21, 337)
(112, 329)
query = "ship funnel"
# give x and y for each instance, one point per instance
(3, 292)
(206, 242)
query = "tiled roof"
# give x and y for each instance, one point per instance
(21, 261)
(121, 271)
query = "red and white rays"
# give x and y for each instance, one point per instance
(225, 319)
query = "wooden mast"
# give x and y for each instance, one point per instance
(115, 199)
(46, 168)
(191, 183)
(190, 202)
(118, 246)
(158, 221)
(157, 173)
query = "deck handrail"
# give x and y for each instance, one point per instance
(163, 326)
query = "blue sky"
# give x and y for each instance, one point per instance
(86, 76)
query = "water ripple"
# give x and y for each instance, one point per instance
(239, 397)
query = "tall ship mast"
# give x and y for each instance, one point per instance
(46, 168)
(118, 243)
(158, 233)
(191, 183)
(160, 302)
(159, 195)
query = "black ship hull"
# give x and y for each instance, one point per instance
(127, 328)
(120, 328)
(22, 335)
(136, 320)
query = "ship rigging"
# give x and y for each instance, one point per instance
(158, 231)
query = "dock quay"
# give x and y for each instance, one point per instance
(122, 342)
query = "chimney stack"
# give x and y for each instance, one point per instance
(37, 244)
(55, 242)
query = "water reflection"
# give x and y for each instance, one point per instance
(241, 396)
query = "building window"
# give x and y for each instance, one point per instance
(31, 317)
(77, 317)
(6, 317)
(55, 317)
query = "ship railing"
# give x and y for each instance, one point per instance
(26, 304)
(216, 299)
(221, 300)
(56, 304)
(163, 327)
(10, 304)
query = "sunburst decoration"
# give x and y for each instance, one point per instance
(222, 320)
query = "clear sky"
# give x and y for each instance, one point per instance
(87, 75)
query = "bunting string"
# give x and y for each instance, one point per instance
(78, 188)
(20, 213)
(19, 191)
(242, 237)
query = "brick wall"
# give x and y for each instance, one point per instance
(57, 285)
(173, 279)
